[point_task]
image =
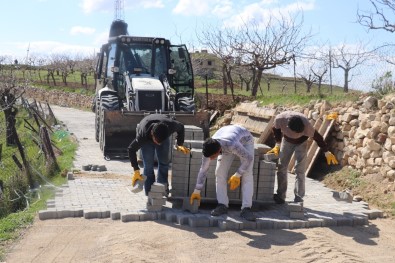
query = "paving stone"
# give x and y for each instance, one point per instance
(105, 214)
(295, 207)
(248, 225)
(157, 201)
(280, 224)
(182, 219)
(296, 215)
(154, 208)
(314, 222)
(198, 221)
(374, 213)
(148, 215)
(89, 214)
(186, 205)
(155, 195)
(360, 220)
(171, 216)
(264, 223)
(222, 224)
(293, 224)
(233, 224)
(158, 188)
(127, 217)
(343, 196)
(344, 221)
(270, 157)
(47, 214)
(213, 221)
(115, 215)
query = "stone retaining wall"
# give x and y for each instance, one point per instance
(363, 136)
(65, 99)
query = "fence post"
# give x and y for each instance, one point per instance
(24, 161)
(48, 150)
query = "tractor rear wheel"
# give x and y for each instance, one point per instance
(108, 102)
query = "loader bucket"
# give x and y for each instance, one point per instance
(119, 129)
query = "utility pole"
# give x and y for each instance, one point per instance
(293, 58)
(27, 54)
(330, 69)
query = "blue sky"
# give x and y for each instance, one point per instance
(81, 26)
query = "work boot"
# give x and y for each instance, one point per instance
(278, 199)
(298, 199)
(219, 210)
(247, 214)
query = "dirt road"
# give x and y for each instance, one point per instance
(106, 240)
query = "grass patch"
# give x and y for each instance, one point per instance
(14, 224)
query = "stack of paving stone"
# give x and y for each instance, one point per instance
(156, 199)
(185, 169)
(295, 210)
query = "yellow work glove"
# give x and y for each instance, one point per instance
(136, 176)
(330, 158)
(275, 150)
(195, 195)
(234, 181)
(183, 149)
(332, 116)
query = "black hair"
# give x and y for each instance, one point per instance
(295, 123)
(160, 131)
(210, 147)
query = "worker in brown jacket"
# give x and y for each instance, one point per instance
(291, 131)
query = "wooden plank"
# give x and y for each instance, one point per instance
(258, 120)
(325, 129)
(266, 132)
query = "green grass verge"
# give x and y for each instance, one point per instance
(12, 225)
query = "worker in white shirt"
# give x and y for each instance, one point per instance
(225, 144)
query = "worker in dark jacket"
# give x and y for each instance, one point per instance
(153, 136)
(291, 131)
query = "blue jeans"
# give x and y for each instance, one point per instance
(163, 156)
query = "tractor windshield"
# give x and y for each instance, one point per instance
(137, 58)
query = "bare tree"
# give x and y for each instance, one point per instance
(218, 41)
(4, 60)
(265, 47)
(348, 58)
(245, 76)
(379, 17)
(319, 72)
(10, 92)
(309, 79)
(86, 66)
(51, 67)
(318, 64)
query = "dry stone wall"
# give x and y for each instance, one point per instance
(363, 136)
(65, 99)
